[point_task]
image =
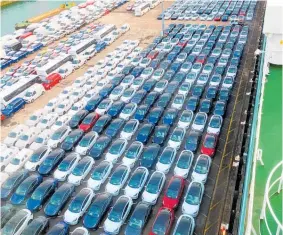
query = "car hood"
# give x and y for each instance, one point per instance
(9, 141)
(191, 147)
(17, 199)
(11, 168)
(130, 231)
(67, 146)
(90, 221)
(43, 169)
(30, 165)
(147, 163)
(74, 179)
(190, 209)
(32, 204)
(110, 226)
(70, 216)
(149, 197)
(51, 210)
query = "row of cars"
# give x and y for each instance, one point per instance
(234, 11)
(117, 110)
(14, 76)
(46, 32)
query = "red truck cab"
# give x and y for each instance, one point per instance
(51, 80)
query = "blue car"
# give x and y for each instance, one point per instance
(179, 77)
(41, 194)
(60, 228)
(93, 103)
(165, 64)
(127, 69)
(25, 189)
(58, 200)
(149, 84)
(97, 210)
(150, 155)
(102, 123)
(137, 71)
(10, 184)
(138, 96)
(117, 79)
(151, 98)
(144, 133)
(154, 63)
(168, 75)
(197, 90)
(172, 87)
(18, 56)
(99, 146)
(106, 90)
(51, 161)
(160, 134)
(219, 108)
(224, 94)
(192, 141)
(205, 106)
(142, 214)
(77, 118)
(116, 108)
(163, 100)
(175, 66)
(13, 107)
(211, 92)
(115, 126)
(169, 116)
(155, 114)
(141, 112)
(172, 56)
(100, 46)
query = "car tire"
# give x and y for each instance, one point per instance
(59, 213)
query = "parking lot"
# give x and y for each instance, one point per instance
(145, 29)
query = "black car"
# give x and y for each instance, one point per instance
(99, 146)
(97, 210)
(10, 184)
(150, 155)
(163, 100)
(138, 219)
(52, 160)
(72, 140)
(115, 126)
(102, 123)
(192, 141)
(38, 226)
(116, 108)
(117, 79)
(93, 103)
(160, 134)
(7, 212)
(77, 118)
(151, 98)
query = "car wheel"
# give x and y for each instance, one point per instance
(40, 207)
(59, 212)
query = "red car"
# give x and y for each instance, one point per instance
(217, 18)
(209, 145)
(3, 117)
(152, 55)
(182, 43)
(201, 59)
(106, 12)
(25, 35)
(173, 192)
(163, 222)
(51, 80)
(89, 122)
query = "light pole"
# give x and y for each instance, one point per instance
(162, 33)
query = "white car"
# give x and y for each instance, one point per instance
(86, 143)
(18, 161)
(132, 154)
(215, 80)
(33, 93)
(129, 129)
(177, 137)
(27, 138)
(128, 111)
(90, 73)
(66, 166)
(178, 101)
(128, 94)
(66, 93)
(154, 187)
(158, 74)
(37, 157)
(116, 93)
(147, 72)
(136, 182)
(117, 179)
(116, 150)
(58, 136)
(78, 206)
(199, 122)
(201, 168)
(184, 163)
(47, 121)
(78, 62)
(18, 222)
(124, 28)
(3, 177)
(81, 170)
(78, 94)
(14, 135)
(91, 93)
(118, 215)
(228, 82)
(41, 139)
(81, 231)
(79, 82)
(161, 86)
(66, 69)
(104, 106)
(166, 159)
(99, 175)
(35, 118)
(52, 104)
(6, 155)
(63, 107)
(185, 119)
(137, 83)
(193, 199)
(215, 124)
(76, 107)
(61, 121)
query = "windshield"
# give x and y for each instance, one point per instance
(183, 162)
(160, 225)
(79, 170)
(135, 223)
(215, 122)
(21, 190)
(117, 178)
(64, 165)
(114, 215)
(199, 120)
(76, 205)
(15, 161)
(177, 137)
(12, 134)
(201, 166)
(35, 157)
(94, 211)
(193, 196)
(85, 141)
(209, 142)
(56, 135)
(135, 181)
(29, 94)
(186, 118)
(24, 137)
